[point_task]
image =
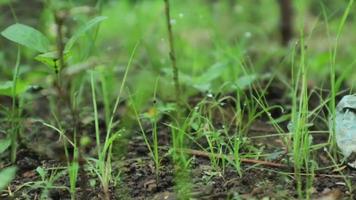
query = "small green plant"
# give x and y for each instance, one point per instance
(6, 176)
(181, 161)
(152, 148)
(31, 38)
(103, 165)
(48, 178)
(72, 164)
(14, 89)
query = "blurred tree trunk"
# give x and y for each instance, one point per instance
(286, 21)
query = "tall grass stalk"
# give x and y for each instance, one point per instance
(96, 116)
(103, 167)
(117, 101)
(183, 182)
(153, 147)
(155, 132)
(333, 81)
(301, 138)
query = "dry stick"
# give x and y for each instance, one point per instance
(172, 53)
(253, 161)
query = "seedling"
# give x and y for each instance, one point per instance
(33, 39)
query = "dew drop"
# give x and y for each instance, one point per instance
(173, 21)
(248, 34)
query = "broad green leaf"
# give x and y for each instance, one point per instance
(6, 88)
(27, 36)
(4, 144)
(82, 30)
(51, 58)
(212, 73)
(6, 176)
(204, 81)
(41, 172)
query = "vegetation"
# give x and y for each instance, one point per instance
(174, 99)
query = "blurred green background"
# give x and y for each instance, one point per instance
(217, 43)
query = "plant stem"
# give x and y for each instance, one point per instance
(15, 113)
(59, 18)
(172, 54)
(66, 98)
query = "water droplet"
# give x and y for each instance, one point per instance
(173, 21)
(290, 126)
(181, 15)
(239, 9)
(247, 34)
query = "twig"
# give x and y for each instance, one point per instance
(261, 162)
(245, 160)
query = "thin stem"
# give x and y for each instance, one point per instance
(60, 46)
(96, 118)
(15, 115)
(172, 54)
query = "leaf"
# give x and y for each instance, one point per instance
(4, 144)
(6, 88)
(27, 36)
(51, 58)
(6, 176)
(244, 81)
(82, 30)
(41, 172)
(204, 82)
(212, 73)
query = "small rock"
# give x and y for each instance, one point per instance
(150, 185)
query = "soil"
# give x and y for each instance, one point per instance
(138, 179)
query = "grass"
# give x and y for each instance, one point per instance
(240, 103)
